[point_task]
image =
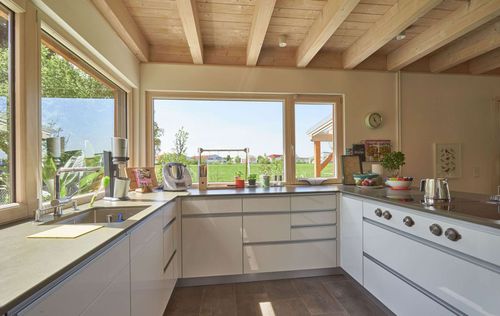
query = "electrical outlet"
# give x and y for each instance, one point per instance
(475, 172)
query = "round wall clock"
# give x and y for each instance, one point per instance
(373, 120)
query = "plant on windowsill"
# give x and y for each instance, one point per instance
(239, 181)
(266, 170)
(252, 179)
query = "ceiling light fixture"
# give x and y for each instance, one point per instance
(401, 36)
(282, 41)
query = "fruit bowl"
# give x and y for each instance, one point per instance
(401, 183)
(368, 178)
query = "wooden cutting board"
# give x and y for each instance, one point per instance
(66, 231)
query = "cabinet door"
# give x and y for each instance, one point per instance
(80, 290)
(268, 227)
(351, 237)
(211, 246)
(115, 300)
(146, 267)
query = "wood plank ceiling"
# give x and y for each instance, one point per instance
(456, 36)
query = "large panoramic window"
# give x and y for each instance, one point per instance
(315, 148)
(6, 107)
(79, 107)
(183, 126)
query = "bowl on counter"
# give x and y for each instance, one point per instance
(401, 183)
(365, 179)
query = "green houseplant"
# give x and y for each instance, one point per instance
(392, 162)
(252, 179)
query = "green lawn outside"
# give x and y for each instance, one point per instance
(226, 173)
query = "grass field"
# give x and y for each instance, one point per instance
(226, 173)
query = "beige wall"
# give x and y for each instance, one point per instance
(452, 109)
(364, 91)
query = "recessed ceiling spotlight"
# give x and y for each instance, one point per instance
(401, 36)
(282, 41)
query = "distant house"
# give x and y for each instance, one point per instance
(251, 159)
(321, 132)
(275, 156)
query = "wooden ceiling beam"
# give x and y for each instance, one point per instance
(467, 48)
(261, 17)
(485, 63)
(188, 13)
(331, 17)
(115, 12)
(399, 17)
(469, 16)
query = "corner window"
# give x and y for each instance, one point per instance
(182, 126)
(79, 111)
(6, 107)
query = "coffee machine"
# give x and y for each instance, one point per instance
(115, 162)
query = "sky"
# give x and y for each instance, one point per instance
(87, 124)
(257, 125)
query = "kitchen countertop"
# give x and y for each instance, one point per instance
(469, 207)
(27, 265)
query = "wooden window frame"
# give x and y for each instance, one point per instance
(338, 134)
(121, 97)
(288, 118)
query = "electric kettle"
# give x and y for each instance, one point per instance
(435, 190)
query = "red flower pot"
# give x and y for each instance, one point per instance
(239, 183)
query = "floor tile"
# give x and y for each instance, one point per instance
(288, 307)
(218, 300)
(185, 301)
(355, 302)
(280, 289)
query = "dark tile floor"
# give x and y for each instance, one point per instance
(328, 296)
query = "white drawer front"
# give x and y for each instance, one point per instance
(398, 296)
(289, 256)
(314, 232)
(266, 204)
(258, 228)
(314, 202)
(314, 218)
(476, 243)
(169, 242)
(169, 212)
(464, 285)
(77, 292)
(210, 206)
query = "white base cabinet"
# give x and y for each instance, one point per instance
(351, 237)
(95, 287)
(290, 256)
(211, 246)
(146, 267)
(398, 296)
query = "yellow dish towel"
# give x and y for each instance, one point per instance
(66, 231)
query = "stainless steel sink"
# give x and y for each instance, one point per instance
(101, 215)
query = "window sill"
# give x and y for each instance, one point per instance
(13, 212)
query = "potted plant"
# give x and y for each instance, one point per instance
(266, 175)
(239, 182)
(392, 162)
(252, 179)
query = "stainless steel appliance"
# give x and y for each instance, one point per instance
(435, 190)
(176, 177)
(115, 162)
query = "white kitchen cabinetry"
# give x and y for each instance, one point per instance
(398, 296)
(211, 237)
(146, 267)
(211, 246)
(466, 285)
(351, 237)
(97, 287)
(290, 256)
(266, 219)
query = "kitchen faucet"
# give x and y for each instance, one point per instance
(58, 203)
